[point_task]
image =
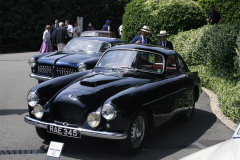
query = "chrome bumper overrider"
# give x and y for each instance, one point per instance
(85, 132)
(39, 77)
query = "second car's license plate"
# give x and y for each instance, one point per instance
(64, 131)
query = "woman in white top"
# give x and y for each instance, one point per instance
(76, 31)
(46, 45)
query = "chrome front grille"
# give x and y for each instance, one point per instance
(68, 113)
(60, 71)
(45, 69)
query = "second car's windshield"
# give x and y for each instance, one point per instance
(83, 45)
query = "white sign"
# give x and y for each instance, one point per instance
(55, 149)
(80, 23)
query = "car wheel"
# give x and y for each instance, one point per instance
(189, 113)
(136, 135)
(42, 133)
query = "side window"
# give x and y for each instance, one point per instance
(150, 62)
(104, 47)
(181, 65)
(171, 65)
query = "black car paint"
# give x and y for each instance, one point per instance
(161, 96)
(71, 59)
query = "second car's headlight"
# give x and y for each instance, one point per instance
(93, 120)
(32, 62)
(38, 111)
(82, 67)
(109, 112)
(32, 99)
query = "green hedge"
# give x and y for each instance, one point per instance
(173, 16)
(23, 22)
(213, 46)
(213, 51)
(228, 9)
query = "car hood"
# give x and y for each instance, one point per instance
(61, 58)
(95, 88)
(76, 58)
(229, 150)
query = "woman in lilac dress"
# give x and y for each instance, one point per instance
(46, 45)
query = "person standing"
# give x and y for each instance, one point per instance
(213, 16)
(142, 39)
(59, 35)
(164, 42)
(53, 28)
(69, 28)
(90, 27)
(106, 27)
(120, 31)
(46, 45)
(76, 30)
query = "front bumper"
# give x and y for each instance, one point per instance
(40, 77)
(85, 132)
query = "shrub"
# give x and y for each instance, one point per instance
(213, 51)
(23, 22)
(213, 46)
(173, 16)
(228, 9)
(227, 89)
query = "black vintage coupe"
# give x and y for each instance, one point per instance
(132, 89)
(79, 55)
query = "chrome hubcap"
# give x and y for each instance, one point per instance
(137, 131)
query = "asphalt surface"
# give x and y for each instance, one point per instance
(20, 141)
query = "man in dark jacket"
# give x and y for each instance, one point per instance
(164, 42)
(106, 27)
(53, 28)
(142, 39)
(213, 16)
(59, 36)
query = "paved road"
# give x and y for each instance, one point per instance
(171, 142)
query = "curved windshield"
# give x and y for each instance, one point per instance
(144, 61)
(87, 46)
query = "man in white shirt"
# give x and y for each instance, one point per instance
(69, 28)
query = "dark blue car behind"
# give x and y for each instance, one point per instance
(80, 54)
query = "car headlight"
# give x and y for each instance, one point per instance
(38, 111)
(32, 62)
(93, 120)
(32, 99)
(82, 67)
(109, 112)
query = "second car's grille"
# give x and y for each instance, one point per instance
(68, 113)
(45, 69)
(60, 71)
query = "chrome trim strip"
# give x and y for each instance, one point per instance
(39, 77)
(85, 132)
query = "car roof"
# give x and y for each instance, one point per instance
(98, 31)
(152, 48)
(105, 39)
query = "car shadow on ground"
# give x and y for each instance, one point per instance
(162, 142)
(4, 112)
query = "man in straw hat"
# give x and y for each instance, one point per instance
(90, 27)
(164, 43)
(142, 39)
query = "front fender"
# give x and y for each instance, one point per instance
(48, 89)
